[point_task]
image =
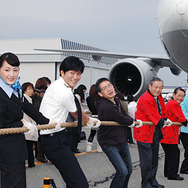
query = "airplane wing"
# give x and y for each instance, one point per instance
(159, 60)
(132, 73)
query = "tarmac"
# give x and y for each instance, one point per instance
(99, 171)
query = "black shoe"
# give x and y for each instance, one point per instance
(185, 172)
(159, 186)
(176, 178)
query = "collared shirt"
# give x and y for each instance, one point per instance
(57, 102)
(7, 88)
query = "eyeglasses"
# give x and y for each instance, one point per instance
(158, 87)
(180, 96)
(105, 87)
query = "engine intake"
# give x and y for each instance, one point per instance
(132, 76)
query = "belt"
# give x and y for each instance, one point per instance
(56, 133)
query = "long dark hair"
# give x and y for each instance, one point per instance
(80, 91)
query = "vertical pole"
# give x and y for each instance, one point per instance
(47, 182)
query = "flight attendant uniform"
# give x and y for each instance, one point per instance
(13, 148)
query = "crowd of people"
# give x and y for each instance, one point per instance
(59, 102)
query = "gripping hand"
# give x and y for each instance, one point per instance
(93, 123)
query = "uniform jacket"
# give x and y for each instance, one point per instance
(112, 135)
(13, 147)
(175, 114)
(147, 111)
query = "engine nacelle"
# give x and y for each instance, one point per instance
(132, 76)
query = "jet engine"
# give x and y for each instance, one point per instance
(132, 76)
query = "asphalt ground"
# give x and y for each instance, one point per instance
(99, 170)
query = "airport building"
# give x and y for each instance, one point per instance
(36, 64)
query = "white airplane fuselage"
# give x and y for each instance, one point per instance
(173, 29)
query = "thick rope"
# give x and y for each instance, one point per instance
(69, 124)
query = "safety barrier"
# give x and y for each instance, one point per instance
(69, 124)
(48, 182)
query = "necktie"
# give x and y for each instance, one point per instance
(79, 114)
(158, 132)
(158, 105)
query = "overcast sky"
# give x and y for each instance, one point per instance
(128, 26)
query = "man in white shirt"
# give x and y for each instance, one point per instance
(57, 102)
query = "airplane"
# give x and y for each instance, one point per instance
(132, 73)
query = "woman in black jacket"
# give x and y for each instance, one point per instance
(13, 149)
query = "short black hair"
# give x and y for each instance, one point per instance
(155, 79)
(130, 98)
(10, 58)
(178, 88)
(26, 85)
(100, 80)
(71, 63)
(47, 80)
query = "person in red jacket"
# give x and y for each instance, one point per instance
(171, 135)
(150, 107)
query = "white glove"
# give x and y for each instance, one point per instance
(93, 123)
(168, 123)
(57, 127)
(132, 125)
(139, 123)
(32, 134)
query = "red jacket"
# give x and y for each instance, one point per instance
(147, 111)
(175, 114)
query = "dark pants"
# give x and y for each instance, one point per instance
(13, 175)
(148, 154)
(57, 150)
(129, 135)
(172, 159)
(184, 140)
(30, 153)
(92, 135)
(74, 138)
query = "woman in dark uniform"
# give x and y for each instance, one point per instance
(13, 149)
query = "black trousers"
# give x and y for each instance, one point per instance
(172, 159)
(184, 140)
(31, 157)
(13, 175)
(148, 154)
(129, 135)
(74, 138)
(57, 150)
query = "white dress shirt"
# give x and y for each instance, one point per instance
(57, 102)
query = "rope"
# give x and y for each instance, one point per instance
(69, 124)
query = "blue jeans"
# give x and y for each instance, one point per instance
(121, 160)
